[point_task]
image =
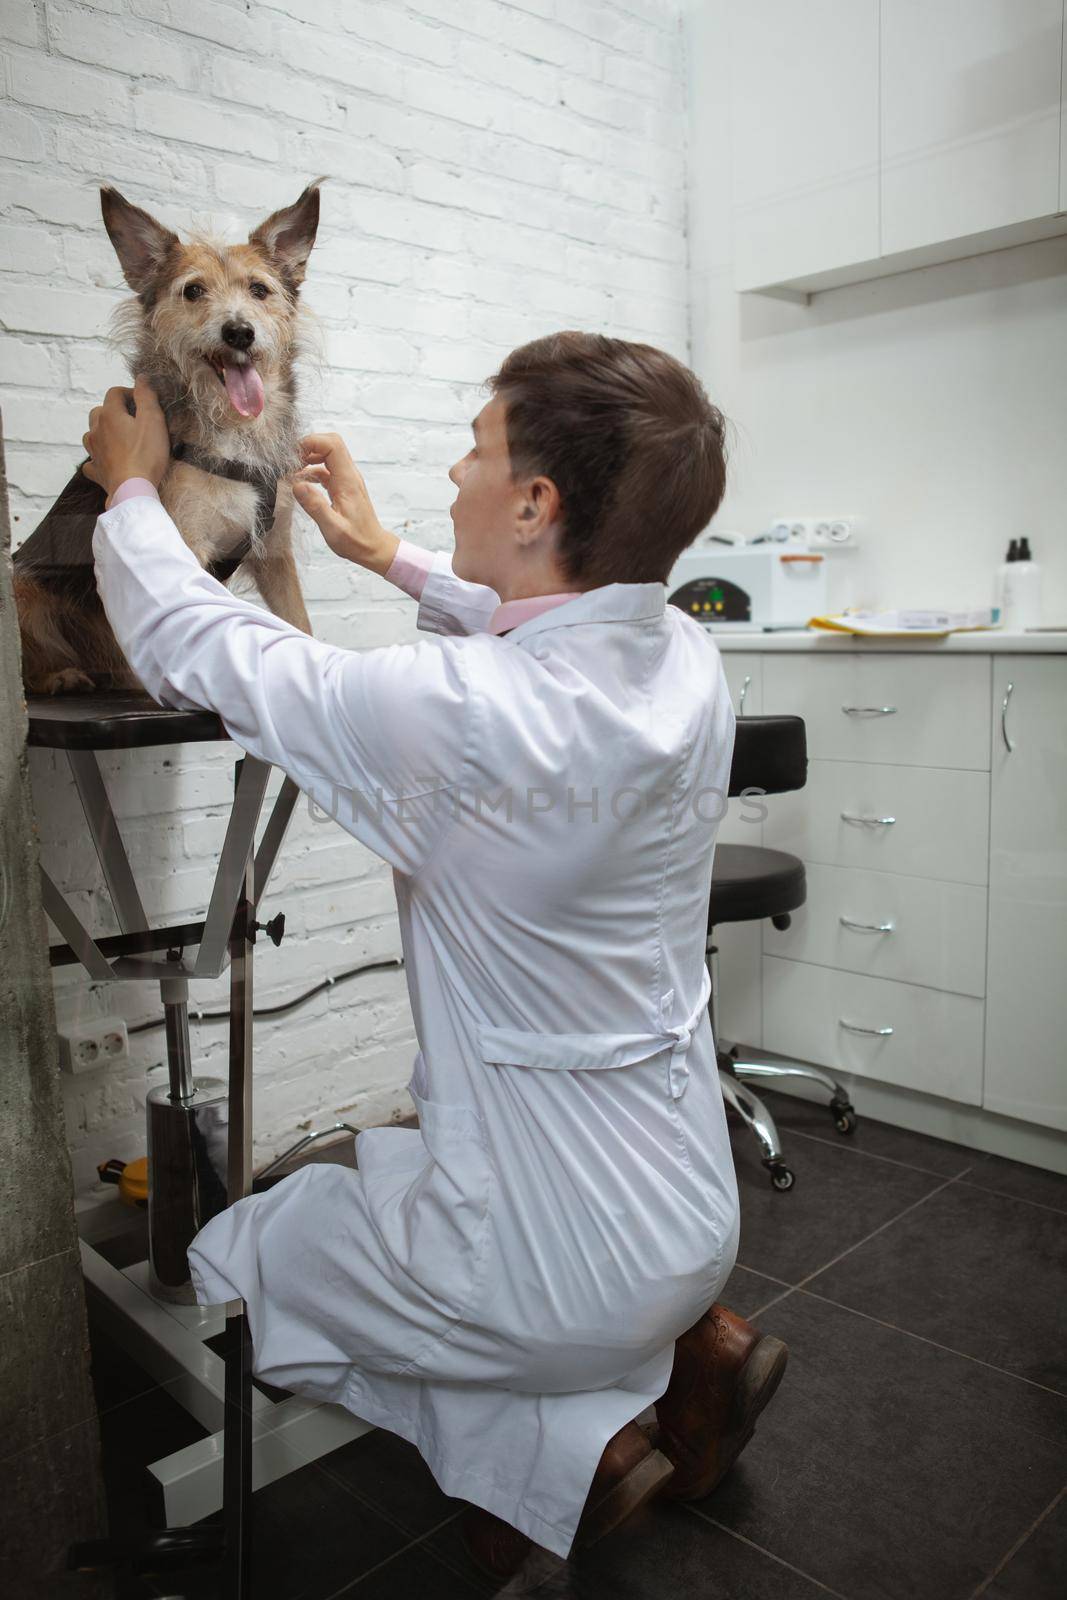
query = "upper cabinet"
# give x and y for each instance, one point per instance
(869, 136)
(970, 117)
(804, 121)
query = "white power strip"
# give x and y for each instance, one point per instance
(814, 532)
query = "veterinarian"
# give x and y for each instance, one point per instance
(505, 1285)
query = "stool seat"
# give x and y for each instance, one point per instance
(749, 882)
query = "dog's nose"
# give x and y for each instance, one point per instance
(238, 335)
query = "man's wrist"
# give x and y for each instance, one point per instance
(380, 558)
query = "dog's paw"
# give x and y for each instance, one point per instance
(67, 680)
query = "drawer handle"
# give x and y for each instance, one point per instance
(1009, 744)
(866, 927)
(869, 822)
(744, 691)
(854, 1027)
(869, 711)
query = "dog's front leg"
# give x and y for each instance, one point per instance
(274, 572)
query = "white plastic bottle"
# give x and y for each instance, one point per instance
(1022, 591)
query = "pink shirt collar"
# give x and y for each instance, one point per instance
(510, 613)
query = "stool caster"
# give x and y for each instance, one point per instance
(156, 1554)
(782, 1177)
(844, 1115)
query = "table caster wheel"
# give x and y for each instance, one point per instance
(782, 1177)
(844, 1116)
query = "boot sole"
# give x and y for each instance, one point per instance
(760, 1377)
(641, 1484)
(498, 1574)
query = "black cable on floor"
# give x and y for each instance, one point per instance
(394, 965)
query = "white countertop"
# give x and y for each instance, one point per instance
(985, 641)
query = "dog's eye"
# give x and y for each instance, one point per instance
(192, 291)
(260, 290)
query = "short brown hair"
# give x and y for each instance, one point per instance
(631, 441)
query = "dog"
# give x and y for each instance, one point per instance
(217, 329)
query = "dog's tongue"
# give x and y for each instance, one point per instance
(245, 389)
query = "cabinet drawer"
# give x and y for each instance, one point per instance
(907, 710)
(933, 932)
(940, 826)
(936, 1040)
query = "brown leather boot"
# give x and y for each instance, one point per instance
(725, 1372)
(630, 1473)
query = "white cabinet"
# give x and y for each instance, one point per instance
(804, 120)
(1026, 981)
(970, 117)
(947, 926)
(870, 136)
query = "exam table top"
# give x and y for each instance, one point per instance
(114, 721)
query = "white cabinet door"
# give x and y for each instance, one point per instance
(970, 98)
(804, 117)
(1026, 981)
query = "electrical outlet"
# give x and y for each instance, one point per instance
(101, 1043)
(826, 533)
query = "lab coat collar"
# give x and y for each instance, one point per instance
(611, 602)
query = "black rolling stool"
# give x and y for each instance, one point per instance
(750, 881)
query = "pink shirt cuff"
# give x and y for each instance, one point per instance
(410, 568)
(129, 489)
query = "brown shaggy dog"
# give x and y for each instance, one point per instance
(217, 329)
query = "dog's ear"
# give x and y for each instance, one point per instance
(288, 235)
(141, 243)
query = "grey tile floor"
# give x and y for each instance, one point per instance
(917, 1449)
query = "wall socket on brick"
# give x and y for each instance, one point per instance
(103, 1043)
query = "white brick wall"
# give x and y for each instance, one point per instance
(496, 170)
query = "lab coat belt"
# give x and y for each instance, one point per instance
(590, 1052)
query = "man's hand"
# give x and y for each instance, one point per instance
(122, 446)
(344, 514)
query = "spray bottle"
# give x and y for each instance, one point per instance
(1022, 591)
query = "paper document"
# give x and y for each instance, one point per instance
(932, 623)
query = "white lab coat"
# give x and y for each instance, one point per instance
(503, 1285)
